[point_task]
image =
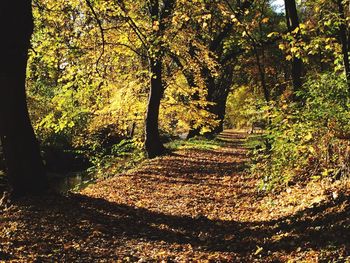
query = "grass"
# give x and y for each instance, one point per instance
(255, 140)
(200, 143)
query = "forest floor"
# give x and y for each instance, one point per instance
(196, 205)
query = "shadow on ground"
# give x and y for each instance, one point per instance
(81, 228)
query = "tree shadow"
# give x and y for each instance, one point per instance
(56, 222)
(79, 228)
(197, 168)
(4, 256)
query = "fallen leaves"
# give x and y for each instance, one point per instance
(194, 206)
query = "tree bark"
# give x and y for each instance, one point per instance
(344, 42)
(262, 74)
(219, 109)
(193, 132)
(219, 98)
(153, 144)
(159, 13)
(292, 24)
(218, 89)
(24, 165)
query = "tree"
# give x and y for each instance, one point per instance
(208, 32)
(159, 12)
(343, 33)
(127, 48)
(215, 40)
(151, 33)
(293, 24)
(25, 168)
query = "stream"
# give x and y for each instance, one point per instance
(74, 181)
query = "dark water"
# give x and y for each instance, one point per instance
(60, 183)
(71, 182)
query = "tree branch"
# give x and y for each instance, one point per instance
(99, 23)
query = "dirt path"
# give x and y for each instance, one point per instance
(197, 205)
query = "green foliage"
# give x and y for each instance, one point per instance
(75, 90)
(243, 107)
(119, 157)
(125, 147)
(199, 143)
(88, 80)
(308, 141)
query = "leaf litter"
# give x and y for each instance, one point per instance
(195, 205)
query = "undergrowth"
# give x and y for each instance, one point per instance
(308, 141)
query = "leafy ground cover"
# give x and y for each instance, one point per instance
(198, 204)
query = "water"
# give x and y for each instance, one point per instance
(71, 182)
(61, 183)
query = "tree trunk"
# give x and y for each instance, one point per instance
(218, 90)
(132, 130)
(193, 132)
(153, 144)
(344, 42)
(24, 165)
(297, 65)
(262, 74)
(219, 110)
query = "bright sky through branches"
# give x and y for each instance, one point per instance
(278, 5)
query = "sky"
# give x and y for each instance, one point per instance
(279, 5)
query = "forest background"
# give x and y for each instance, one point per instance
(107, 80)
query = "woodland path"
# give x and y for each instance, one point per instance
(196, 205)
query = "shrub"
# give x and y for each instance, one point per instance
(311, 140)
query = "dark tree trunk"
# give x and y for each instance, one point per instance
(344, 41)
(24, 165)
(213, 84)
(218, 90)
(213, 90)
(297, 65)
(219, 110)
(262, 74)
(159, 12)
(153, 144)
(193, 132)
(132, 130)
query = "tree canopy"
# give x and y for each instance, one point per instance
(109, 79)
